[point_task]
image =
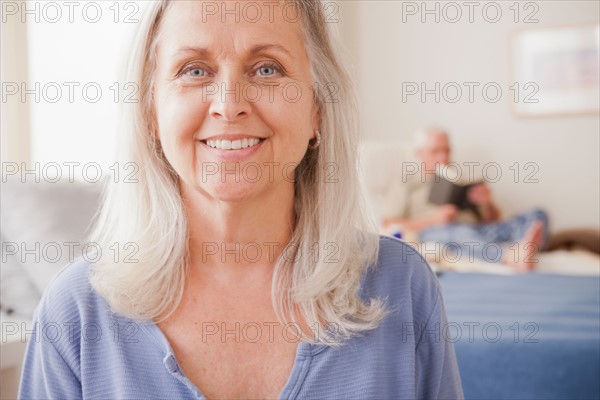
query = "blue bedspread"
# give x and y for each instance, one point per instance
(533, 336)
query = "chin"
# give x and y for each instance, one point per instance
(232, 192)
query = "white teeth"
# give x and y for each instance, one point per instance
(232, 144)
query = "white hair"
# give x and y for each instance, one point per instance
(151, 214)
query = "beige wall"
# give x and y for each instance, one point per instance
(14, 127)
(385, 52)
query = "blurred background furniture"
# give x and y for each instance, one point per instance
(533, 336)
(44, 226)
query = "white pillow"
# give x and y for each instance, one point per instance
(382, 164)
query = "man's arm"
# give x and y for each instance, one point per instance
(481, 196)
(489, 213)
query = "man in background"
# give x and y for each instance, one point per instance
(469, 230)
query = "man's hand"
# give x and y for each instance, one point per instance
(445, 214)
(480, 195)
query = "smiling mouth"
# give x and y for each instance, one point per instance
(233, 144)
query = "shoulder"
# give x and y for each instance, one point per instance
(402, 277)
(68, 295)
(399, 265)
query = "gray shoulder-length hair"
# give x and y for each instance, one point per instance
(145, 220)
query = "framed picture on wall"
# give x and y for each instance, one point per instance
(555, 71)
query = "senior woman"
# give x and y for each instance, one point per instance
(239, 262)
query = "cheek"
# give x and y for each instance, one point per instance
(289, 115)
(179, 118)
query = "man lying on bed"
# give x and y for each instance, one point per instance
(476, 232)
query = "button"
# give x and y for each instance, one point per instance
(170, 363)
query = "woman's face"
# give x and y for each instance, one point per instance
(222, 84)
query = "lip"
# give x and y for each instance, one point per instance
(231, 136)
(232, 155)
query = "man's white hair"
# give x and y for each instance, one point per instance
(421, 136)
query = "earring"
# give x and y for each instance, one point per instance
(317, 142)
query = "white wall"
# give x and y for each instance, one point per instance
(77, 47)
(387, 52)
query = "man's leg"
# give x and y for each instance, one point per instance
(465, 241)
(516, 229)
(483, 240)
(525, 236)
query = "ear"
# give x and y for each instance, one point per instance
(316, 118)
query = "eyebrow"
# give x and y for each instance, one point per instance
(259, 48)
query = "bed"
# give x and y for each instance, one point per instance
(526, 336)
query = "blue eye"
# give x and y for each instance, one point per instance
(196, 72)
(265, 69)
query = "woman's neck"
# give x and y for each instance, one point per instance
(234, 241)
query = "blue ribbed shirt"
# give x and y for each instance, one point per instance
(78, 348)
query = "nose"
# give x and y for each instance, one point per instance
(230, 102)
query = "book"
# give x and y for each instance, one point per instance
(444, 191)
